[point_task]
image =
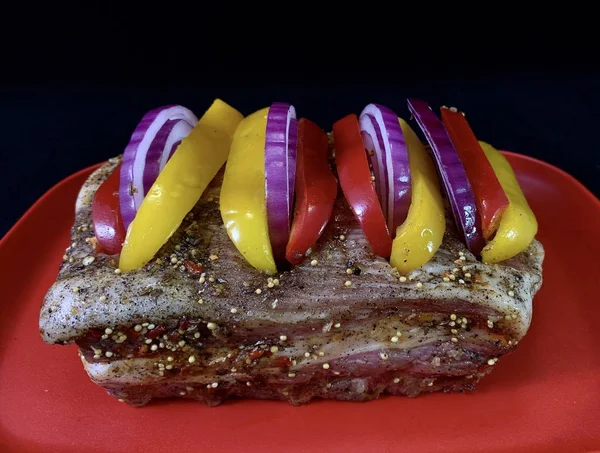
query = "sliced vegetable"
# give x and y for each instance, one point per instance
(355, 180)
(421, 234)
(386, 147)
(106, 215)
(518, 225)
(180, 185)
(280, 174)
(151, 144)
(316, 190)
(491, 199)
(372, 138)
(456, 183)
(243, 202)
(167, 140)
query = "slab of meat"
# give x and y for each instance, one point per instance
(199, 322)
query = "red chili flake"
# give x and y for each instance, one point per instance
(183, 323)
(95, 333)
(477, 279)
(256, 354)
(132, 333)
(185, 369)
(282, 362)
(259, 353)
(193, 268)
(158, 330)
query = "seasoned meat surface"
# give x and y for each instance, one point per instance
(343, 310)
(93, 295)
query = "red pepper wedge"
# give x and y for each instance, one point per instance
(355, 180)
(489, 195)
(106, 215)
(316, 190)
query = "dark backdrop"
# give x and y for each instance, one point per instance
(73, 91)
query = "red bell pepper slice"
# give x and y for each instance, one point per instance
(316, 190)
(489, 195)
(355, 180)
(106, 215)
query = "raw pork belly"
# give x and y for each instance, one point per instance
(199, 322)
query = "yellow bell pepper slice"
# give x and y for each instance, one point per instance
(421, 234)
(518, 225)
(243, 203)
(180, 185)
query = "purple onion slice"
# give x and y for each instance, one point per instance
(280, 174)
(388, 155)
(151, 145)
(453, 175)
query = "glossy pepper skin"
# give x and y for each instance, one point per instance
(355, 180)
(180, 185)
(420, 235)
(106, 215)
(316, 190)
(243, 203)
(491, 199)
(518, 225)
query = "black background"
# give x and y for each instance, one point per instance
(73, 91)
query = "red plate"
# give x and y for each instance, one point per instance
(544, 397)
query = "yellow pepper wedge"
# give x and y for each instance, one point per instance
(180, 185)
(421, 234)
(518, 225)
(243, 203)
